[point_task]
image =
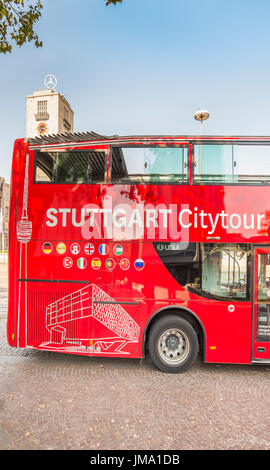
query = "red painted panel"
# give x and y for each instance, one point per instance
(99, 299)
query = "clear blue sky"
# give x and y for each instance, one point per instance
(145, 67)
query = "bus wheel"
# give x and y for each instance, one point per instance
(173, 344)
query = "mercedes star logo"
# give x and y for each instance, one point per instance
(50, 82)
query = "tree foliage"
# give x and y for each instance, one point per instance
(17, 22)
(113, 2)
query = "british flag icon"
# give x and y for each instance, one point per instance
(89, 249)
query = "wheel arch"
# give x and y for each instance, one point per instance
(185, 313)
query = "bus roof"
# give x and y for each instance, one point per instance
(93, 137)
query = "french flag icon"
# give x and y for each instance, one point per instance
(103, 249)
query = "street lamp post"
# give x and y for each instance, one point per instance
(201, 115)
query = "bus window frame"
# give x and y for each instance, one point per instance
(147, 145)
(227, 142)
(95, 149)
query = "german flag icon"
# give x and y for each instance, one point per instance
(47, 248)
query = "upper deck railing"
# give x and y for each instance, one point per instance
(91, 137)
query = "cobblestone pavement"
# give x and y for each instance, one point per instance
(56, 401)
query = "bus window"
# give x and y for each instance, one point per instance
(224, 270)
(209, 269)
(231, 164)
(263, 276)
(78, 166)
(152, 165)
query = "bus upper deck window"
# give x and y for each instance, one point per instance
(231, 164)
(153, 165)
(80, 166)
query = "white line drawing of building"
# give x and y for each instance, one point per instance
(93, 303)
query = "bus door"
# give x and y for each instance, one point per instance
(261, 305)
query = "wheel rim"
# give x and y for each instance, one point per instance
(173, 346)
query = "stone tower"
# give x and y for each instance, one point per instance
(48, 112)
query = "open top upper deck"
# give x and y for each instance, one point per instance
(155, 159)
(82, 138)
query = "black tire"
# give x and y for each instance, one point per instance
(173, 344)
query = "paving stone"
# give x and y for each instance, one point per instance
(58, 401)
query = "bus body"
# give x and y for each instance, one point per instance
(117, 244)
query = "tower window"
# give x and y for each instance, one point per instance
(42, 110)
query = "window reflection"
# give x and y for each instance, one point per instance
(235, 164)
(70, 167)
(212, 270)
(149, 165)
(224, 270)
(264, 276)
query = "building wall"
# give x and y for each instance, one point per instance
(58, 116)
(65, 116)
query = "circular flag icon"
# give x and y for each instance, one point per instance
(139, 264)
(103, 249)
(75, 248)
(67, 262)
(96, 263)
(61, 248)
(124, 264)
(89, 248)
(118, 249)
(47, 248)
(82, 263)
(110, 264)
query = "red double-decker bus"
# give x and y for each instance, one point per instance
(122, 245)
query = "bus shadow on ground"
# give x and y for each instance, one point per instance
(144, 364)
